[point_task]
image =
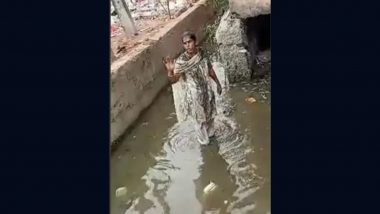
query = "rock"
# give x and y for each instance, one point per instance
(238, 69)
(231, 31)
(232, 40)
(250, 8)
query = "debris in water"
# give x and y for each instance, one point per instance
(134, 137)
(210, 187)
(121, 191)
(250, 99)
(144, 124)
(225, 202)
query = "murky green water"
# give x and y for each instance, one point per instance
(136, 157)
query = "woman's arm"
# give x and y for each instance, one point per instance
(173, 77)
(213, 76)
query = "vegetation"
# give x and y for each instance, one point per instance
(220, 5)
(210, 44)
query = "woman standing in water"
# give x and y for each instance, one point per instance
(192, 92)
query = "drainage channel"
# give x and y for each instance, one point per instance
(154, 180)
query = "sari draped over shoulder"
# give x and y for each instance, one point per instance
(193, 94)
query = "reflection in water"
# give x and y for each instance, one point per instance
(172, 181)
(174, 174)
(175, 185)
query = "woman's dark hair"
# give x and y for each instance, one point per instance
(189, 34)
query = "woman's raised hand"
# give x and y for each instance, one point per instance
(169, 63)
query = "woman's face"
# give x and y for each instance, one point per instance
(189, 45)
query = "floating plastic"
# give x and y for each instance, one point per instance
(122, 191)
(209, 188)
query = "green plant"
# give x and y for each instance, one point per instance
(220, 6)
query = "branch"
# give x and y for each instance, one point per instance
(167, 2)
(166, 11)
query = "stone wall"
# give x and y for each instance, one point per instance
(138, 77)
(232, 40)
(250, 8)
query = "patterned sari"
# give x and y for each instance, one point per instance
(193, 94)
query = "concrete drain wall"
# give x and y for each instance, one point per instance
(138, 77)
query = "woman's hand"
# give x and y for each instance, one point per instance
(169, 64)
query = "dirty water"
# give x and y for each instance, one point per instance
(165, 177)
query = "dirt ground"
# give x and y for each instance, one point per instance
(122, 44)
